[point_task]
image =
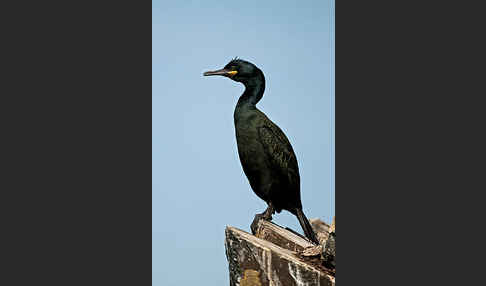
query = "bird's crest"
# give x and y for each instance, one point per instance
(235, 59)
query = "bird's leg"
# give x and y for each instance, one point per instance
(266, 215)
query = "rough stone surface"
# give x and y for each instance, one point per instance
(321, 229)
(333, 225)
(256, 261)
(285, 239)
(313, 251)
(329, 252)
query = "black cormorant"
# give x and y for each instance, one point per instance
(266, 155)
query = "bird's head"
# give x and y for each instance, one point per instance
(239, 70)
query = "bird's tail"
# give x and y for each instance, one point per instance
(306, 226)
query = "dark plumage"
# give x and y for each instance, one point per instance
(266, 155)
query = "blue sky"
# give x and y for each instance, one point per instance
(198, 185)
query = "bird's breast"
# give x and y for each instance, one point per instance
(247, 138)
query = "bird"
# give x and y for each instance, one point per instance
(265, 152)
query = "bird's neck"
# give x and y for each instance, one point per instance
(254, 89)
